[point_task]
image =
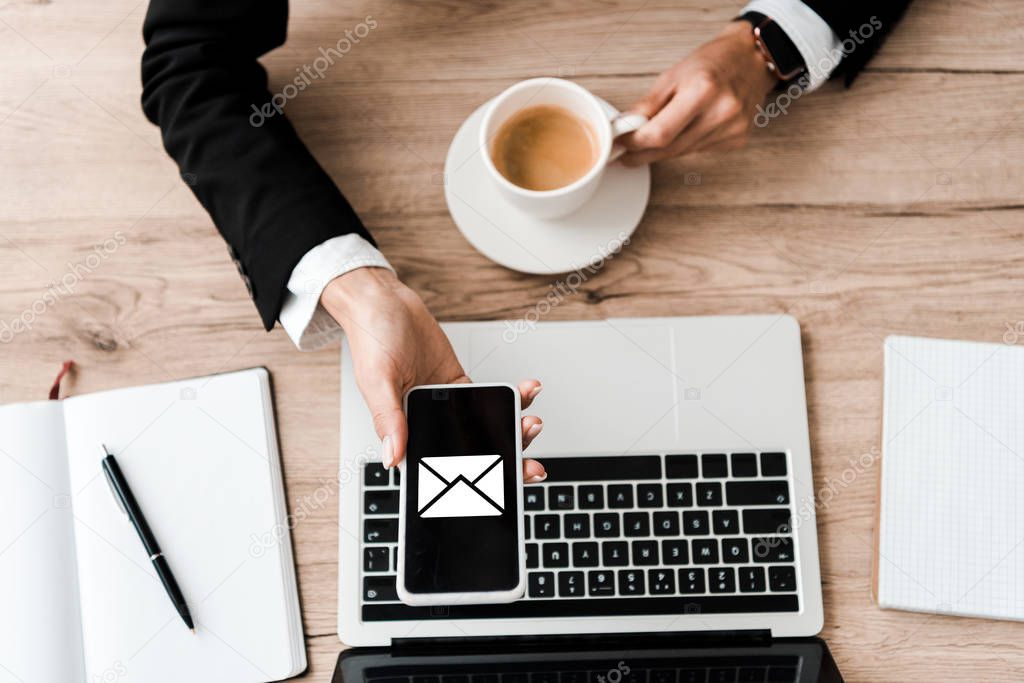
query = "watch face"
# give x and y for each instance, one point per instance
(783, 52)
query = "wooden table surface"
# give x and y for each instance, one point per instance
(894, 207)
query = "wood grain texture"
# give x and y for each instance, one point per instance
(894, 207)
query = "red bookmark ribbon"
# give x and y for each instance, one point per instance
(55, 389)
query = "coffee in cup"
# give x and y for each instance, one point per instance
(544, 147)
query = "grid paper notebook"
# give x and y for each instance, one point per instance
(951, 513)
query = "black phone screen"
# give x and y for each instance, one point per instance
(461, 511)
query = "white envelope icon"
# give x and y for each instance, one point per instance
(461, 486)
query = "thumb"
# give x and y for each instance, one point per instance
(390, 424)
(648, 106)
(651, 103)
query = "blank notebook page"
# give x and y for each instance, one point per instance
(201, 458)
(951, 525)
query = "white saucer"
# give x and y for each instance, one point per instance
(507, 236)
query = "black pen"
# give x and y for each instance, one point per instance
(126, 501)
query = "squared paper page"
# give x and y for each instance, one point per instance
(40, 630)
(951, 535)
(196, 456)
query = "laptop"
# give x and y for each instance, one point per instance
(679, 497)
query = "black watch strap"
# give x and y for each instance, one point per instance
(782, 48)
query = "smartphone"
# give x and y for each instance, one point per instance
(460, 525)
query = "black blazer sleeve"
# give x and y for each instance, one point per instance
(202, 85)
(862, 24)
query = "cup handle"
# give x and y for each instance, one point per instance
(622, 124)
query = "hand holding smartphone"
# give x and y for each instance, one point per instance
(461, 538)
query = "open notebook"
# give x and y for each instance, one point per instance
(951, 517)
(79, 599)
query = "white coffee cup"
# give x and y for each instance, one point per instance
(582, 103)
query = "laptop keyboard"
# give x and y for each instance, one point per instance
(609, 535)
(751, 669)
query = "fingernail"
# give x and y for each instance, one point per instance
(535, 391)
(534, 430)
(537, 478)
(387, 451)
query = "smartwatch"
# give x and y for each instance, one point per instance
(779, 52)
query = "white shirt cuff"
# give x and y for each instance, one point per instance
(818, 44)
(302, 317)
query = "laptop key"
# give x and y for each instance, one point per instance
(620, 496)
(722, 675)
(705, 551)
(782, 578)
(533, 498)
(601, 582)
(377, 588)
(375, 475)
(772, 549)
(662, 581)
(591, 497)
(645, 553)
(666, 523)
(606, 525)
(751, 579)
(615, 553)
(555, 555)
(570, 585)
(577, 526)
(744, 465)
(722, 580)
(695, 523)
(751, 674)
(766, 521)
(757, 492)
(725, 522)
(681, 466)
(376, 559)
(691, 581)
(584, 554)
(546, 526)
(631, 582)
(527, 527)
(532, 556)
(573, 677)
(734, 551)
(649, 496)
(714, 466)
(773, 464)
(709, 494)
(636, 523)
(674, 551)
(541, 584)
(398, 476)
(662, 676)
(778, 674)
(380, 530)
(561, 498)
(679, 495)
(380, 502)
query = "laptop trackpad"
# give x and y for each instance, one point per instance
(608, 387)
